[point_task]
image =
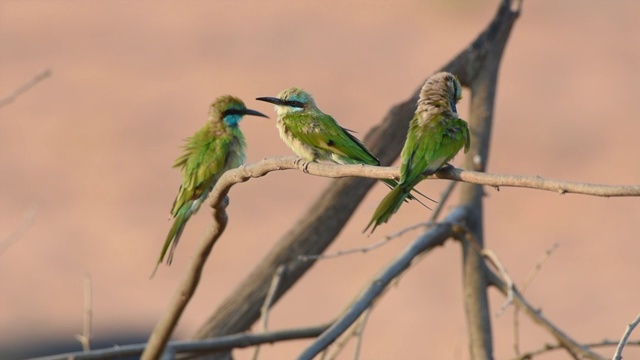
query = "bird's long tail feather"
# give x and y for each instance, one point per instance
(392, 184)
(174, 235)
(388, 206)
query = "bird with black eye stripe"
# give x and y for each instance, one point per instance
(315, 136)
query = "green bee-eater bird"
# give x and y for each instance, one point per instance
(314, 135)
(214, 149)
(435, 136)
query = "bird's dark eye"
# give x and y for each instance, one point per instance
(296, 104)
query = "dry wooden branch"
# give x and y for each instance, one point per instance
(199, 346)
(434, 237)
(483, 92)
(625, 337)
(576, 349)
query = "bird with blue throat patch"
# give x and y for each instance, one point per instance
(436, 134)
(217, 147)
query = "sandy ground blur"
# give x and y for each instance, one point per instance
(92, 146)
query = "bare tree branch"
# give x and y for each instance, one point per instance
(365, 249)
(432, 238)
(525, 286)
(267, 305)
(539, 183)
(241, 340)
(618, 354)
(551, 347)
(577, 350)
(85, 338)
(24, 87)
(502, 270)
(483, 85)
(164, 328)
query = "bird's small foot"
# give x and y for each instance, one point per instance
(305, 164)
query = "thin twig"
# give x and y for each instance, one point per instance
(551, 347)
(23, 88)
(525, 286)
(354, 331)
(446, 195)
(574, 348)
(365, 249)
(85, 338)
(443, 199)
(360, 333)
(27, 221)
(618, 354)
(538, 266)
(267, 304)
(495, 261)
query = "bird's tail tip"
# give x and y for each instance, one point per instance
(387, 207)
(155, 269)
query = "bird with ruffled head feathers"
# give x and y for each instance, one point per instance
(217, 147)
(436, 134)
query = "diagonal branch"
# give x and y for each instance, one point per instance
(576, 349)
(625, 337)
(200, 346)
(436, 236)
(552, 347)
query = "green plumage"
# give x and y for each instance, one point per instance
(214, 149)
(435, 136)
(314, 135)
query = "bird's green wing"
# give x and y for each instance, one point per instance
(323, 132)
(430, 146)
(202, 161)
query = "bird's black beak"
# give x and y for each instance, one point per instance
(272, 100)
(254, 113)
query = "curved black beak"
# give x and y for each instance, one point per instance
(272, 100)
(254, 113)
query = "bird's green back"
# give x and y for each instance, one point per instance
(212, 150)
(431, 144)
(322, 132)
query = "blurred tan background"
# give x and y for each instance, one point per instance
(92, 146)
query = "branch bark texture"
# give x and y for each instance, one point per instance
(483, 83)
